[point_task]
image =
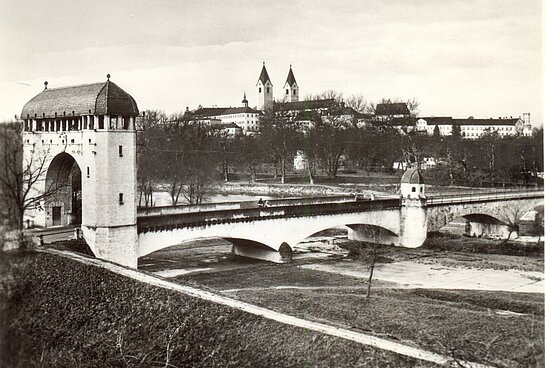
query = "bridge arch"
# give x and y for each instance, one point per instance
(503, 211)
(63, 204)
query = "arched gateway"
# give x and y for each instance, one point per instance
(86, 134)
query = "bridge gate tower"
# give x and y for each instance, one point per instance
(86, 132)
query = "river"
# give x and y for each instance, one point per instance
(163, 198)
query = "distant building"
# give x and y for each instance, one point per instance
(386, 112)
(244, 117)
(472, 128)
(231, 129)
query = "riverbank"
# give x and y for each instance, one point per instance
(58, 312)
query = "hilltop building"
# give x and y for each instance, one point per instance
(245, 119)
(472, 128)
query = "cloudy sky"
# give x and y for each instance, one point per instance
(458, 57)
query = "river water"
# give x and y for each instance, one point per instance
(163, 198)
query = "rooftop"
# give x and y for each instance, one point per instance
(105, 98)
(448, 120)
(264, 76)
(291, 78)
(412, 176)
(305, 105)
(392, 108)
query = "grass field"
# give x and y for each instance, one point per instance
(500, 328)
(56, 312)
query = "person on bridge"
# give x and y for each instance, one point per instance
(260, 202)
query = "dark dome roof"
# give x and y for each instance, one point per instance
(104, 98)
(412, 176)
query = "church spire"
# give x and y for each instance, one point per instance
(291, 88)
(244, 100)
(264, 90)
(291, 78)
(264, 76)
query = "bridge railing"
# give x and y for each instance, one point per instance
(482, 196)
(222, 206)
(204, 218)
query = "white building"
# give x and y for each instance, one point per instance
(244, 117)
(472, 128)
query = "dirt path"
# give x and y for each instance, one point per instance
(267, 313)
(281, 287)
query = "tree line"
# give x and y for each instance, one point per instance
(185, 157)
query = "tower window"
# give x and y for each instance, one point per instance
(294, 91)
(259, 89)
(120, 198)
(414, 189)
(287, 91)
(268, 90)
(120, 151)
(88, 172)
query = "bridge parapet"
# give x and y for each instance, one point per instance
(482, 197)
(205, 218)
(222, 206)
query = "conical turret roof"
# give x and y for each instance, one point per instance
(291, 78)
(264, 76)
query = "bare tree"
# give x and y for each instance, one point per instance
(358, 103)
(22, 177)
(280, 133)
(413, 105)
(370, 250)
(513, 215)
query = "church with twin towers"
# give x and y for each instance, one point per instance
(245, 119)
(265, 96)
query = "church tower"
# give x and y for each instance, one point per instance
(264, 90)
(291, 89)
(245, 101)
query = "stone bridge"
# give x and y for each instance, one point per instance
(266, 233)
(500, 207)
(270, 233)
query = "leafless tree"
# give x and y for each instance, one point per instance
(369, 252)
(358, 103)
(513, 215)
(21, 177)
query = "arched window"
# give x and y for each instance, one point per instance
(421, 189)
(414, 189)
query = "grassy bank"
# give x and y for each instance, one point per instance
(504, 329)
(56, 312)
(457, 243)
(477, 326)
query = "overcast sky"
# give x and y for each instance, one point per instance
(457, 57)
